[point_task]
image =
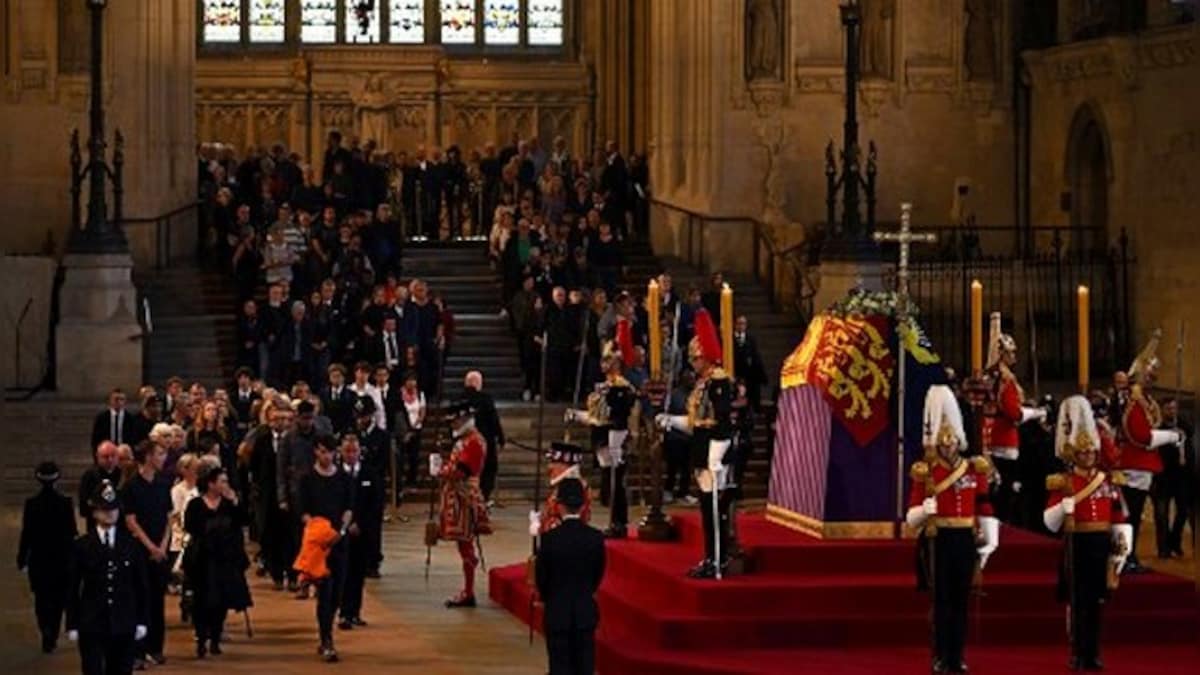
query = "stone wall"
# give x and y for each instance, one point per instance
(149, 57)
(1142, 94)
(24, 281)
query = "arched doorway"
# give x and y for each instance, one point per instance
(1088, 174)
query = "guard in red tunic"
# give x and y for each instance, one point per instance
(463, 514)
(1085, 503)
(1003, 413)
(948, 501)
(564, 459)
(1140, 438)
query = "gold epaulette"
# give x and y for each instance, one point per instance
(718, 373)
(919, 470)
(619, 381)
(1117, 478)
(1135, 392)
(982, 465)
(1056, 482)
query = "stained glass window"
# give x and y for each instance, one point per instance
(318, 20)
(545, 22)
(406, 21)
(267, 20)
(458, 22)
(501, 22)
(222, 20)
(362, 21)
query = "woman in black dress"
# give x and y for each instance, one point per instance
(215, 561)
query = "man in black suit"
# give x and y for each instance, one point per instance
(748, 362)
(569, 569)
(112, 424)
(367, 491)
(141, 424)
(390, 395)
(337, 400)
(104, 468)
(487, 422)
(387, 347)
(295, 351)
(47, 530)
(106, 590)
(376, 446)
(272, 515)
(243, 398)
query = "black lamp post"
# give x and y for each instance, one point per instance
(850, 234)
(99, 234)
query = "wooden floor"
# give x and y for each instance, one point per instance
(409, 631)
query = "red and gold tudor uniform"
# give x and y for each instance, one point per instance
(1086, 504)
(463, 513)
(949, 500)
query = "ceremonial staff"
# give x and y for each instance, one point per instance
(904, 238)
(530, 570)
(432, 529)
(1179, 388)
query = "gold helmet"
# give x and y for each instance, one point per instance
(943, 420)
(1147, 359)
(1076, 430)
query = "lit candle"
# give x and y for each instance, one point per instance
(1083, 339)
(976, 327)
(727, 329)
(653, 313)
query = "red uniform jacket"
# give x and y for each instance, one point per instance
(1003, 413)
(1096, 511)
(1141, 418)
(466, 460)
(960, 501)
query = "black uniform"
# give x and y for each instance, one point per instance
(47, 530)
(570, 567)
(106, 599)
(616, 400)
(710, 410)
(376, 450)
(367, 498)
(487, 423)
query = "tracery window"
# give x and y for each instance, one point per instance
(491, 26)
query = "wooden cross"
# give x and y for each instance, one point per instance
(904, 237)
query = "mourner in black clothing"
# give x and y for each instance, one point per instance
(47, 530)
(146, 505)
(270, 514)
(376, 447)
(325, 492)
(105, 468)
(106, 590)
(337, 401)
(569, 569)
(112, 423)
(215, 560)
(487, 423)
(366, 489)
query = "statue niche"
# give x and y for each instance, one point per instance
(878, 19)
(763, 40)
(980, 43)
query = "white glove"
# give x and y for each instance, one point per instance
(139, 632)
(671, 422)
(991, 538)
(929, 507)
(1122, 534)
(1068, 504)
(1053, 517)
(716, 452)
(604, 457)
(1031, 414)
(1016, 486)
(435, 465)
(73, 635)
(1161, 437)
(535, 523)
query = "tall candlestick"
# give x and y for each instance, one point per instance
(653, 313)
(1082, 295)
(976, 327)
(727, 319)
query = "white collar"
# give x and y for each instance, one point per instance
(572, 472)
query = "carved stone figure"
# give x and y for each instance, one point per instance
(763, 39)
(876, 44)
(373, 103)
(980, 43)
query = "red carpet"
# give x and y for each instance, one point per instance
(850, 607)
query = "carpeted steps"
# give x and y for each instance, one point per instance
(810, 595)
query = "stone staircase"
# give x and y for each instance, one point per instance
(482, 340)
(194, 330)
(40, 429)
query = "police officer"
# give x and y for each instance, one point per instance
(47, 530)
(376, 446)
(107, 608)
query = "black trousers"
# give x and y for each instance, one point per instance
(1170, 486)
(208, 622)
(356, 574)
(1085, 584)
(619, 508)
(410, 457)
(106, 654)
(571, 652)
(954, 565)
(721, 515)
(1136, 501)
(329, 591)
(677, 457)
(49, 602)
(157, 576)
(491, 465)
(274, 538)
